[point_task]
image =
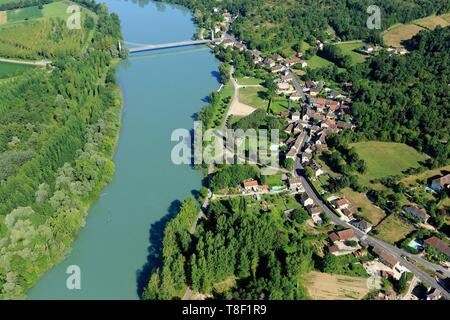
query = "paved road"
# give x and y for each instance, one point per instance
(394, 251)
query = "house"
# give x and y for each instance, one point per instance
(308, 114)
(250, 185)
(298, 128)
(269, 63)
(313, 92)
(334, 249)
(289, 128)
(368, 49)
(277, 57)
(227, 43)
(306, 200)
(306, 157)
(343, 235)
(314, 211)
(342, 203)
(296, 96)
(362, 225)
(292, 153)
(295, 116)
(348, 212)
(439, 245)
(317, 168)
(386, 258)
(283, 114)
(294, 183)
(283, 86)
(239, 46)
(278, 69)
(420, 214)
(441, 183)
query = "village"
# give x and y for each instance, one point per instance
(315, 112)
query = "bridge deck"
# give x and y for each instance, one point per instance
(167, 45)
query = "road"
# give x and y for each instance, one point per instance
(394, 251)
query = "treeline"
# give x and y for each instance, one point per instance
(335, 54)
(14, 4)
(232, 176)
(58, 129)
(407, 98)
(265, 255)
(275, 25)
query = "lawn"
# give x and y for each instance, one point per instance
(324, 286)
(386, 158)
(274, 180)
(253, 96)
(393, 229)
(281, 104)
(348, 49)
(12, 69)
(369, 211)
(24, 14)
(317, 62)
(249, 81)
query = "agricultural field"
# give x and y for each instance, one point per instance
(386, 158)
(369, 211)
(399, 32)
(348, 49)
(8, 70)
(393, 229)
(33, 38)
(324, 286)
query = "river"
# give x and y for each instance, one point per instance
(162, 91)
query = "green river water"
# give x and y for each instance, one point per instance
(162, 91)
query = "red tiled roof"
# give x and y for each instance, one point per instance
(250, 183)
(438, 244)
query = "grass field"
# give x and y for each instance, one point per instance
(253, 96)
(249, 81)
(11, 69)
(324, 286)
(24, 14)
(348, 49)
(399, 32)
(369, 211)
(317, 62)
(393, 229)
(386, 159)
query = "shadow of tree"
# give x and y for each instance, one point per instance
(156, 235)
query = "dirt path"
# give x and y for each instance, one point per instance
(40, 63)
(3, 17)
(238, 108)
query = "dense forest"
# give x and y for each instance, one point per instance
(407, 98)
(264, 253)
(58, 130)
(274, 25)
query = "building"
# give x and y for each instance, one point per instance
(441, 183)
(228, 43)
(420, 214)
(250, 185)
(317, 169)
(386, 258)
(306, 200)
(439, 245)
(296, 96)
(278, 69)
(295, 116)
(314, 211)
(348, 212)
(294, 183)
(342, 203)
(343, 235)
(283, 86)
(362, 225)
